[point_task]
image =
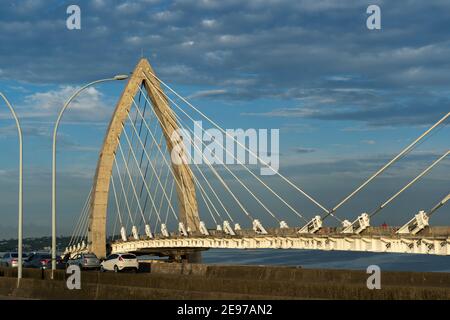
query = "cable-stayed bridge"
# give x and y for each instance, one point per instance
(150, 200)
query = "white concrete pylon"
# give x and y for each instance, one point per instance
(237, 227)
(219, 227)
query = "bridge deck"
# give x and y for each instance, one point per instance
(433, 240)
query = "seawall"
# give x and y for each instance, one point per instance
(201, 281)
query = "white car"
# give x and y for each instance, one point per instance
(120, 261)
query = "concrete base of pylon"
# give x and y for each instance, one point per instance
(186, 257)
(194, 257)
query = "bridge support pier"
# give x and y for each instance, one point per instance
(186, 257)
(194, 257)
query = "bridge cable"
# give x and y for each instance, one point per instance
(147, 167)
(83, 210)
(211, 188)
(243, 146)
(226, 187)
(154, 140)
(142, 158)
(382, 206)
(153, 175)
(439, 205)
(79, 235)
(239, 180)
(170, 195)
(123, 191)
(223, 182)
(154, 170)
(164, 129)
(132, 171)
(405, 151)
(207, 206)
(116, 200)
(161, 201)
(234, 158)
(132, 183)
(151, 165)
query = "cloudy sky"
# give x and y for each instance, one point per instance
(345, 98)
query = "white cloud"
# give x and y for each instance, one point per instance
(165, 16)
(209, 23)
(88, 106)
(207, 93)
(128, 7)
(188, 43)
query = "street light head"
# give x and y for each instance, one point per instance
(120, 77)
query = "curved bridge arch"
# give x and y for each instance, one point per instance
(188, 208)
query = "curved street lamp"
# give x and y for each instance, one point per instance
(55, 132)
(20, 226)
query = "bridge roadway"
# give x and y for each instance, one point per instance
(432, 240)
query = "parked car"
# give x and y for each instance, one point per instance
(85, 261)
(120, 261)
(11, 259)
(42, 261)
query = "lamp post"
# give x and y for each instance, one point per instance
(55, 132)
(20, 225)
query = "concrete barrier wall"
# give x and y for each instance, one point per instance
(47, 289)
(280, 273)
(199, 281)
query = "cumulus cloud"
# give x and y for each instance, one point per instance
(88, 106)
(373, 107)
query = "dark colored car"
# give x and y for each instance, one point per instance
(11, 259)
(42, 261)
